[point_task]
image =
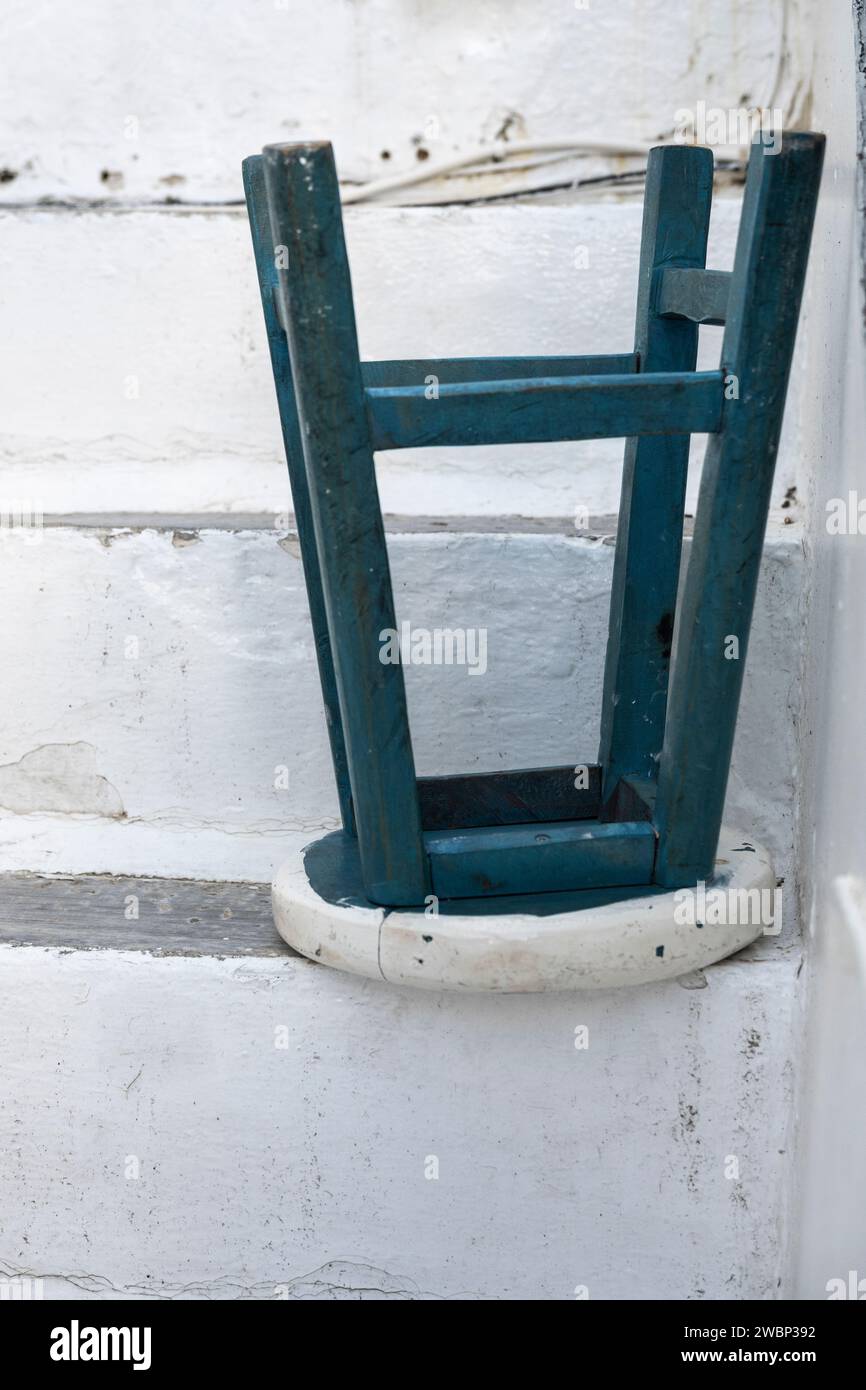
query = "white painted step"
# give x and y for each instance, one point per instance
(267, 1128)
(137, 378)
(163, 713)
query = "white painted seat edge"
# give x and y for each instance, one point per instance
(638, 941)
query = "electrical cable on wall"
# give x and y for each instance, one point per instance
(514, 156)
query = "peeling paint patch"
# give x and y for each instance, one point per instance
(58, 777)
(696, 979)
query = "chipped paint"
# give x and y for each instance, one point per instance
(58, 777)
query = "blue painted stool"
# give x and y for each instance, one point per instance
(648, 817)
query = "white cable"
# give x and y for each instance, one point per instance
(501, 152)
(491, 154)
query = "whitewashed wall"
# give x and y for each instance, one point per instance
(110, 98)
(832, 842)
(136, 377)
(137, 397)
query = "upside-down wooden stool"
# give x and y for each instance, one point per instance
(537, 879)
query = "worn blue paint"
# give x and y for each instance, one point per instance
(699, 295)
(509, 798)
(304, 201)
(676, 219)
(734, 500)
(333, 868)
(540, 858)
(542, 409)
(649, 816)
(449, 370)
(263, 248)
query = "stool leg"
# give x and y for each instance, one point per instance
(719, 593)
(263, 247)
(679, 188)
(304, 202)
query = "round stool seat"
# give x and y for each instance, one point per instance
(594, 939)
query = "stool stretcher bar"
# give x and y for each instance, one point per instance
(544, 409)
(452, 370)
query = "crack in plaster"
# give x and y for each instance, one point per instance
(379, 1283)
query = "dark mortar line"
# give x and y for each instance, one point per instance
(176, 917)
(264, 521)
